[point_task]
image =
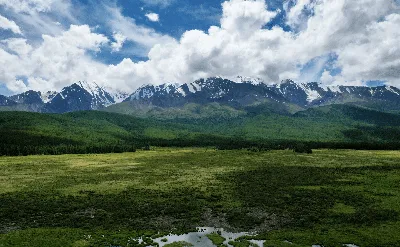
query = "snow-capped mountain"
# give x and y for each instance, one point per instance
(117, 95)
(246, 79)
(243, 91)
(247, 91)
(48, 96)
(77, 97)
(83, 96)
(200, 91)
(214, 89)
(33, 97)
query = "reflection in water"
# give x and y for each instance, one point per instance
(199, 238)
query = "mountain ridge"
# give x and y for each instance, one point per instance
(237, 93)
(79, 96)
(250, 92)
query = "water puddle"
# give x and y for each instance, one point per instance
(200, 239)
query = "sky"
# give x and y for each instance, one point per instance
(122, 44)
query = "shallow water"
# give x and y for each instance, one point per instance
(199, 239)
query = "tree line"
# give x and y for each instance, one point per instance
(21, 150)
(46, 147)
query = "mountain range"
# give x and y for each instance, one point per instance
(206, 112)
(234, 94)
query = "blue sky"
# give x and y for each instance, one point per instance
(122, 44)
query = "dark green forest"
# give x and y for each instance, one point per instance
(257, 128)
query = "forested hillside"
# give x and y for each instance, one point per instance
(335, 126)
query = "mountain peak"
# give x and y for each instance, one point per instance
(28, 97)
(287, 81)
(250, 80)
(48, 96)
(91, 87)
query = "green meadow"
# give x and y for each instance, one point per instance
(330, 197)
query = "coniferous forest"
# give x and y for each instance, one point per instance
(343, 127)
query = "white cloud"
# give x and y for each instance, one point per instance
(28, 5)
(17, 86)
(245, 17)
(57, 62)
(153, 17)
(327, 78)
(297, 15)
(38, 24)
(358, 32)
(9, 25)
(376, 55)
(41, 20)
(10, 66)
(19, 46)
(119, 41)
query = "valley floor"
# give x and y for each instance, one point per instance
(329, 198)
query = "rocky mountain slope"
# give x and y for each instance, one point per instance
(237, 94)
(77, 97)
(248, 92)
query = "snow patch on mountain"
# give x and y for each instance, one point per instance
(103, 96)
(191, 87)
(145, 91)
(171, 87)
(48, 96)
(90, 87)
(118, 95)
(393, 90)
(197, 86)
(311, 94)
(181, 91)
(334, 89)
(247, 79)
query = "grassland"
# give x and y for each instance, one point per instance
(330, 197)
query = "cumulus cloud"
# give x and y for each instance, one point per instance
(245, 17)
(354, 30)
(153, 17)
(362, 36)
(17, 45)
(17, 86)
(241, 46)
(376, 55)
(9, 25)
(297, 15)
(57, 62)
